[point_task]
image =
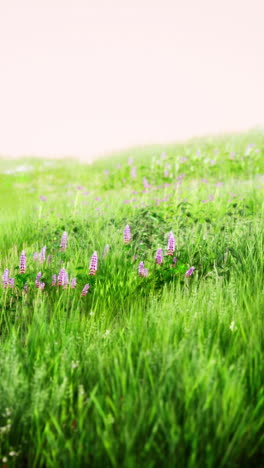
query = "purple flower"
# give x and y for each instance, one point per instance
(145, 183)
(63, 244)
(85, 290)
(36, 256)
(43, 254)
(43, 198)
(73, 283)
(42, 286)
(66, 280)
(189, 272)
(141, 269)
(23, 262)
(106, 250)
(133, 172)
(93, 263)
(37, 282)
(158, 256)
(61, 277)
(163, 155)
(171, 243)
(127, 234)
(11, 282)
(166, 173)
(5, 278)
(54, 280)
(145, 272)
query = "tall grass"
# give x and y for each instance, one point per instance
(156, 372)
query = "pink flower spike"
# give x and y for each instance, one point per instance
(145, 272)
(37, 282)
(106, 250)
(5, 278)
(93, 263)
(73, 283)
(127, 234)
(158, 257)
(141, 269)
(63, 244)
(85, 290)
(61, 276)
(42, 286)
(23, 262)
(189, 272)
(43, 254)
(11, 282)
(171, 243)
(54, 280)
(66, 280)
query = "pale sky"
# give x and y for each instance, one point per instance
(80, 77)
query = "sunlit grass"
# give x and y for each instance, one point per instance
(156, 371)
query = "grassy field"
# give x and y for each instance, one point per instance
(159, 370)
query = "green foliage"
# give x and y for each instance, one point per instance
(153, 371)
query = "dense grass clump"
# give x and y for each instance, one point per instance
(157, 369)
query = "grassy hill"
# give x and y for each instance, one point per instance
(163, 369)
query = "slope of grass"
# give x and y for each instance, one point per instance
(153, 371)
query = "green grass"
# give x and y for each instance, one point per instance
(160, 371)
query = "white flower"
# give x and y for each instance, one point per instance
(75, 364)
(233, 326)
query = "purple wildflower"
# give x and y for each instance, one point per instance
(42, 286)
(36, 256)
(66, 280)
(189, 272)
(163, 155)
(127, 234)
(61, 277)
(171, 243)
(166, 173)
(63, 244)
(145, 183)
(43, 254)
(158, 256)
(11, 282)
(73, 283)
(5, 278)
(23, 262)
(54, 280)
(43, 198)
(85, 290)
(133, 172)
(141, 269)
(93, 263)
(106, 250)
(145, 272)
(37, 282)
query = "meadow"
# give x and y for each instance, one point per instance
(153, 364)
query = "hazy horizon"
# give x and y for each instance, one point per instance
(90, 77)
